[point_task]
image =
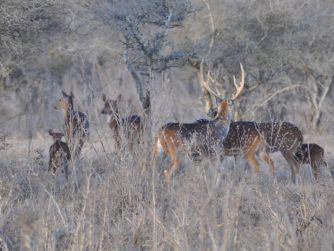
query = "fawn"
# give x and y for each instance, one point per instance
(76, 125)
(59, 153)
(312, 154)
(131, 127)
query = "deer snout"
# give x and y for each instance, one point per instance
(106, 112)
(57, 107)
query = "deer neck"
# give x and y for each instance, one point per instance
(113, 121)
(221, 125)
(222, 120)
(68, 115)
(58, 141)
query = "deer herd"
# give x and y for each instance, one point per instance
(211, 138)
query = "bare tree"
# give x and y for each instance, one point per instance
(144, 26)
(319, 81)
(26, 30)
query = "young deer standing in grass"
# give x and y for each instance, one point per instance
(59, 154)
(202, 138)
(313, 155)
(131, 127)
(76, 125)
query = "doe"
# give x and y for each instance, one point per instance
(76, 125)
(129, 126)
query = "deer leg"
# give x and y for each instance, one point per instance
(131, 145)
(175, 163)
(79, 148)
(66, 170)
(168, 173)
(50, 164)
(331, 169)
(237, 161)
(117, 141)
(266, 158)
(251, 160)
(315, 169)
(289, 156)
(158, 150)
(250, 154)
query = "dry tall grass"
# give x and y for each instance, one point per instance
(107, 205)
(46, 45)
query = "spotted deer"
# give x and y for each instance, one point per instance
(59, 154)
(130, 127)
(249, 138)
(201, 138)
(313, 155)
(283, 137)
(244, 139)
(76, 125)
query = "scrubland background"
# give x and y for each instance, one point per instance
(154, 47)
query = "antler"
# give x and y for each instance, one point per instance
(205, 83)
(208, 91)
(241, 84)
(104, 97)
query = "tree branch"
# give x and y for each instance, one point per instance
(138, 83)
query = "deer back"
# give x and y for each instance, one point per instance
(133, 122)
(59, 155)
(240, 137)
(77, 122)
(200, 137)
(132, 126)
(310, 153)
(281, 136)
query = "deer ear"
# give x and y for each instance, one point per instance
(64, 93)
(50, 132)
(119, 98)
(212, 113)
(104, 97)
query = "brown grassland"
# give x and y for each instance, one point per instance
(149, 51)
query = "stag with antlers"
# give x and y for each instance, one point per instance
(243, 137)
(202, 138)
(249, 138)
